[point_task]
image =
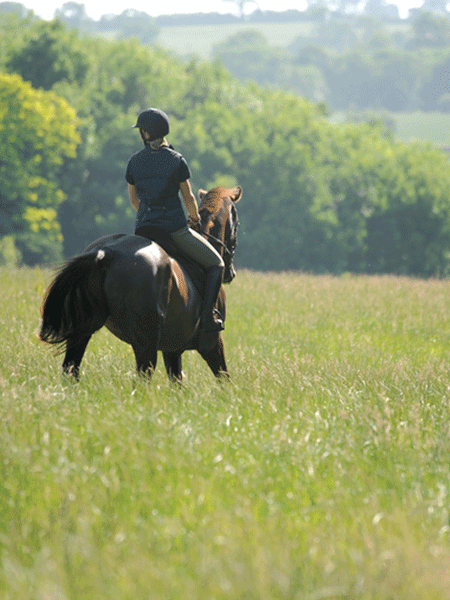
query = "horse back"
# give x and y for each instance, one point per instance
(148, 293)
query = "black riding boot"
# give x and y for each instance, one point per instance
(210, 319)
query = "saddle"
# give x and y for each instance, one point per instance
(196, 272)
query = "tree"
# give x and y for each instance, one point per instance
(11, 30)
(318, 197)
(37, 131)
(408, 233)
(248, 55)
(381, 9)
(49, 53)
(435, 95)
(339, 35)
(130, 23)
(13, 7)
(74, 15)
(436, 6)
(390, 79)
(241, 5)
(431, 30)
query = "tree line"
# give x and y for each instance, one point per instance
(352, 59)
(352, 63)
(317, 197)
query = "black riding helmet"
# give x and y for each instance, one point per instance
(154, 121)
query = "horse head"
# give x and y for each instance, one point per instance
(219, 223)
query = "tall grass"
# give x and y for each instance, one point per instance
(321, 471)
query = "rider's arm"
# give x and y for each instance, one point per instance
(133, 196)
(189, 201)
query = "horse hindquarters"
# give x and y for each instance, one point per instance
(75, 307)
(136, 292)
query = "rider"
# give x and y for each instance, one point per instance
(155, 175)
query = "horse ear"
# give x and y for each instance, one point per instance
(202, 194)
(236, 193)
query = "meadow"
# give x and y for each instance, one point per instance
(415, 126)
(321, 471)
(418, 126)
(199, 40)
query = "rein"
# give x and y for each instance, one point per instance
(213, 238)
(224, 246)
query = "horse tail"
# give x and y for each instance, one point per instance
(75, 305)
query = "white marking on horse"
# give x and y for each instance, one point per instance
(151, 254)
(100, 255)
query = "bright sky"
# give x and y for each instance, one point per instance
(96, 8)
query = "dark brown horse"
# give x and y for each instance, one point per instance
(143, 295)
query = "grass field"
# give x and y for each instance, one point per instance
(414, 126)
(200, 39)
(420, 126)
(322, 471)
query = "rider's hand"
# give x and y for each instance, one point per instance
(194, 223)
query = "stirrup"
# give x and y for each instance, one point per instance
(211, 321)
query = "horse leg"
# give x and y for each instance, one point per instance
(146, 357)
(172, 361)
(74, 355)
(145, 333)
(215, 358)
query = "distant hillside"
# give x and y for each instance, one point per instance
(200, 39)
(414, 126)
(419, 126)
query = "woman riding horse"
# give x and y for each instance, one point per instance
(144, 296)
(155, 175)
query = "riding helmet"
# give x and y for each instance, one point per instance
(154, 121)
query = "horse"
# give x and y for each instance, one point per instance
(145, 296)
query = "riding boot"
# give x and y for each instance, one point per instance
(210, 319)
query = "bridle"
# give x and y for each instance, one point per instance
(230, 247)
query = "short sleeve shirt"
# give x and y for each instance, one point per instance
(157, 175)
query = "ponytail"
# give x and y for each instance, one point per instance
(154, 144)
(158, 143)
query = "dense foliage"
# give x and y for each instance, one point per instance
(349, 54)
(317, 197)
(37, 132)
(352, 62)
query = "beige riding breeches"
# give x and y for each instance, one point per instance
(194, 245)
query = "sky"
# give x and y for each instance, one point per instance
(96, 8)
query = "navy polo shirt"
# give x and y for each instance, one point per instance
(157, 175)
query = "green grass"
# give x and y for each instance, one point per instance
(200, 39)
(321, 471)
(420, 126)
(414, 126)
